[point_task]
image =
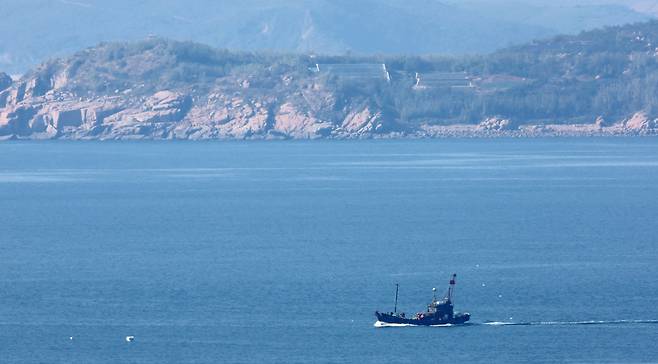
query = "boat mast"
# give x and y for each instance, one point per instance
(451, 289)
(397, 287)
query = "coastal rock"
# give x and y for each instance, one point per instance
(63, 118)
(363, 122)
(37, 86)
(164, 106)
(300, 125)
(167, 100)
(225, 117)
(16, 94)
(640, 122)
(601, 122)
(161, 107)
(4, 97)
(5, 81)
(96, 114)
(16, 121)
(497, 124)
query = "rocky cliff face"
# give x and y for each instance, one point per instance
(142, 94)
(44, 109)
(58, 101)
(34, 111)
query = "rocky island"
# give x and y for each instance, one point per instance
(602, 82)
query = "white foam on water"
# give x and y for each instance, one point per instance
(565, 323)
(499, 323)
(386, 324)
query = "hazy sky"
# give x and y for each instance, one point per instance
(650, 6)
(34, 30)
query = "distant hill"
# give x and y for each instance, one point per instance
(602, 82)
(32, 31)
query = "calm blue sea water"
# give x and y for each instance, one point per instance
(281, 251)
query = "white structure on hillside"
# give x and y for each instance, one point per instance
(355, 71)
(443, 80)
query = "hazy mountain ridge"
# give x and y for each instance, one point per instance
(603, 82)
(35, 30)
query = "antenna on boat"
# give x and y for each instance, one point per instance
(451, 289)
(397, 288)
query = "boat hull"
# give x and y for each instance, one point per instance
(430, 320)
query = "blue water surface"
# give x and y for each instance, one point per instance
(244, 252)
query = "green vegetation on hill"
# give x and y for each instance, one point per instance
(611, 73)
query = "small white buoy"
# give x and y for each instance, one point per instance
(70, 337)
(500, 296)
(130, 338)
(484, 285)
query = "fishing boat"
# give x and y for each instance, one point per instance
(439, 312)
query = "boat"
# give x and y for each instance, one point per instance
(439, 312)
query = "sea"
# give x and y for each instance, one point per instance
(281, 251)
